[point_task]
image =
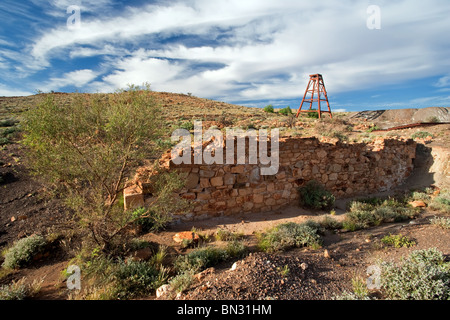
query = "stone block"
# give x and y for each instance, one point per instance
(133, 198)
(217, 181)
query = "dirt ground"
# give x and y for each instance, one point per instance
(313, 274)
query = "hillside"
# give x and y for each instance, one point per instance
(317, 272)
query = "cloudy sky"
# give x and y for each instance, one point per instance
(248, 52)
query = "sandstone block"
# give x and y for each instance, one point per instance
(192, 181)
(133, 198)
(217, 181)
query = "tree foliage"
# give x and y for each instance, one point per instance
(87, 148)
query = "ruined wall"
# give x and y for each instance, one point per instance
(344, 169)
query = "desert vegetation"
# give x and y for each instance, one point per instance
(84, 149)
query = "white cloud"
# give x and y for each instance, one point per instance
(78, 78)
(267, 48)
(6, 91)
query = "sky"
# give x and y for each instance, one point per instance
(372, 54)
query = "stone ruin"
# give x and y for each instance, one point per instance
(345, 169)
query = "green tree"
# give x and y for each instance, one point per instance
(86, 150)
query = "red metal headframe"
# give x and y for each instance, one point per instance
(315, 86)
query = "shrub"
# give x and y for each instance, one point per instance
(182, 281)
(135, 278)
(18, 290)
(423, 275)
(86, 150)
(286, 111)
(366, 213)
(236, 249)
(289, 235)
(398, 241)
(313, 195)
(441, 202)
(188, 126)
(421, 135)
(269, 109)
(225, 235)
(23, 251)
(200, 259)
(330, 223)
(441, 222)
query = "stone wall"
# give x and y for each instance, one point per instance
(344, 169)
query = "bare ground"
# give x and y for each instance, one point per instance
(25, 208)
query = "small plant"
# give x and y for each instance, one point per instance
(269, 109)
(374, 128)
(286, 111)
(182, 281)
(359, 292)
(398, 241)
(135, 278)
(314, 196)
(370, 212)
(236, 249)
(442, 222)
(423, 275)
(187, 125)
(23, 251)
(421, 135)
(289, 235)
(433, 119)
(284, 272)
(330, 223)
(19, 290)
(441, 203)
(200, 259)
(225, 235)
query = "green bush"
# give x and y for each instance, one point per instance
(269, 109)
(314, 196)
(225, 235)
(236, 249)
(442, 222)
(366, 213)
(136, 278)
(182, 281)
(423, 275)
(312, 115)
(398, 241)
(441, 202)
(200, 259)
(18, 290)
(286, 111)
(188, 126)
(330, 223)
(23, 251)
(421, 135)
(289, 235)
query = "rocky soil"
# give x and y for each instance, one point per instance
(298, 274)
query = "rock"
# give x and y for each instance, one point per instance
(163, 290)
(133, 197)
(143, 254)
(304, 266)
(192, 181)
(217, 181)
(185, 235)
(13, 219)
(233, 267)
(326, 254)
(418, 204)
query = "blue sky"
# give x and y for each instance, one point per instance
(248, 52)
